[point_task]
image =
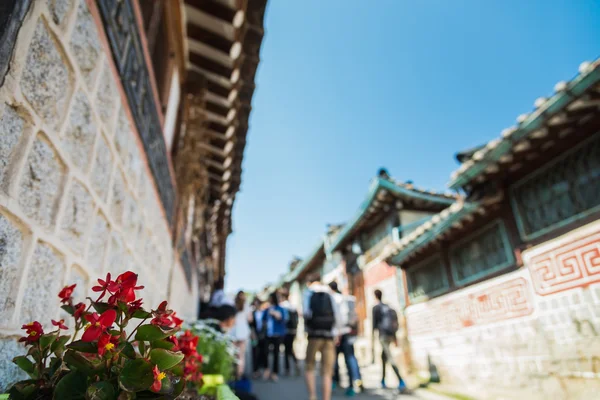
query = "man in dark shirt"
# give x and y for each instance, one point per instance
(380, 311)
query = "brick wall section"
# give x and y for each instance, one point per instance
(76, 197)
(533, 333)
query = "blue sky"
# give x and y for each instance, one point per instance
(347, 87)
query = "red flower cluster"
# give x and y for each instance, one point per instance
(98, 324)
(192, 362)
(66, 294)
(107, 342)
(122, 289)
(34, 330)
(79, 311)
(165, 318)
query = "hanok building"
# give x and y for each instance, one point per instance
(122, 130)
(504, 287)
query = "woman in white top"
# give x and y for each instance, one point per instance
(241, 330)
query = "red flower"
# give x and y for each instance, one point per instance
(98, 324)
(173, 339)
(34, 330)
(123, 288)
(188, 342)
(134, 306)
(158, 377)
(162, 320)
(66, 293)
(176, 321)
(60, 324)
(107, 342)
(104, 284)
(79, 310)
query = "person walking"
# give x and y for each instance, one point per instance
(258, 324)
(275, 322)
(322, 320)
(385, 323)
(290, 336)
(241, 331)
(345, 346)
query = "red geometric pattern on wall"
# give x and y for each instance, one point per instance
(567, 266)
(506, 300)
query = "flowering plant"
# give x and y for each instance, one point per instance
(103, 359)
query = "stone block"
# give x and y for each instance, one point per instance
(42, 182)
(12, 127)
(59, 9)
(44, 280)
(118, 197)
(97, 245)
(106, 96)
(127, 147)
(77, 217)
(116, 260)
(80, 134)
(46, 81)
(9, 372)
(78, 277)
(11, 251)
(85, 44)
(131, 219)
(102, 168)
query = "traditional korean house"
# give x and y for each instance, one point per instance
(122, 130)
(503, 287)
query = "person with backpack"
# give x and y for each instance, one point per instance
(322, 322)
(290, 336)
(385, 322)
(276, 320)
(345, 346)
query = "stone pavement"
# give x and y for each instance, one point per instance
(293, 388)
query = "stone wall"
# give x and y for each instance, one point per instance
(76, 196)
(533, 333)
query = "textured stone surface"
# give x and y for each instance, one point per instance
(42, 181)
(11, 248)
(131, 219)
(118, 197)
(77, 217)
(44, 281)
(102, 168)
(127, 147)
(59, 9)
(97, 244)
(9, 372)
(80, 133)
(106, 96)
(11, 128)
(80, 278)
(46, 80)
(116, 261)
(85, 43)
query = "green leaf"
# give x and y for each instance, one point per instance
(59, 345)
(142, 347)
(71, 387)
(55, 365)
(151, 333)
(162, 344)
(47, 339)
(77, 360)
(25, 364)
(101, 391)
(34, 352)
(84, 347)
(165, 359)
(136, 375)
(69, 309)
(127, 350)
(141, 314)
(100, 307)
(24, 390)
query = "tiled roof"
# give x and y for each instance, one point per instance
(528, 125)
(431, 230)
(304, 264)
(381, 187)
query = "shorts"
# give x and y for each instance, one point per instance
(327, 349)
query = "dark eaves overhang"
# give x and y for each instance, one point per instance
(581, 93)
(379, 188)
(306, 264)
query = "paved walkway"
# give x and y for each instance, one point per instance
(293, 388)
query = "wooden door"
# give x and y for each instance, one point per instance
(357, 289)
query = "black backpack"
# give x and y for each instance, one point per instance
(292, 323)
(388, 325)
(322, 317)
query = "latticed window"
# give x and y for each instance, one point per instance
(566, 190)
(427, 279)
(481, 254)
